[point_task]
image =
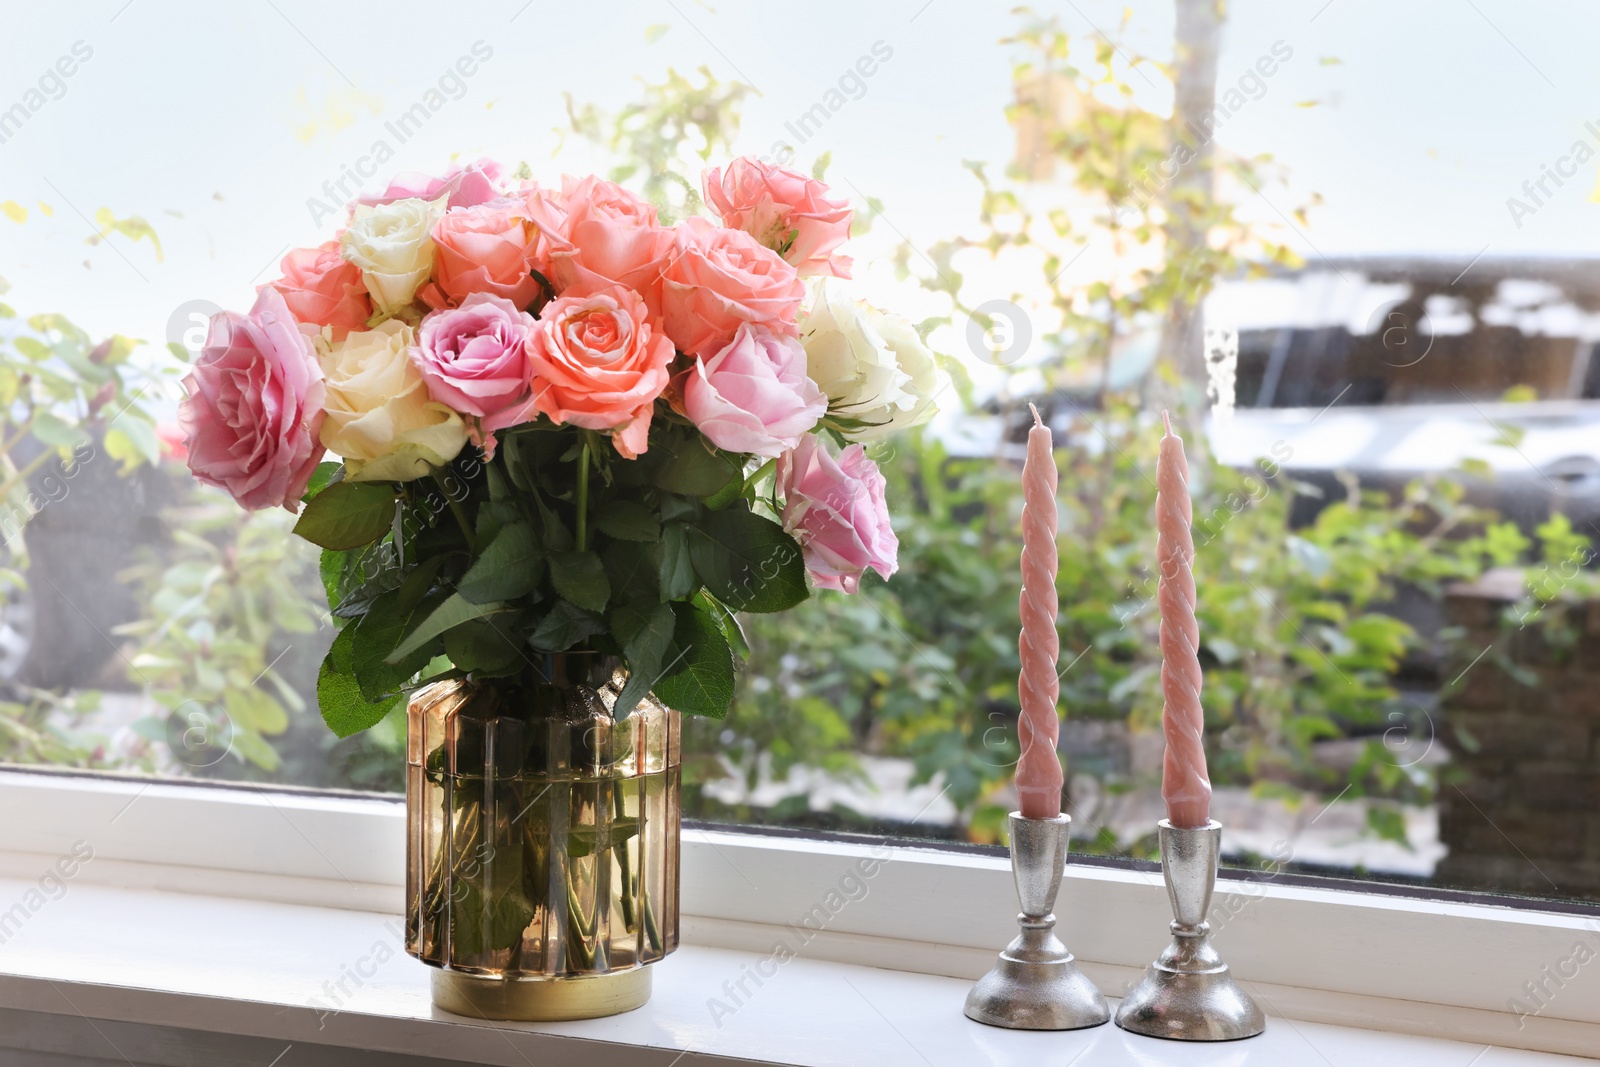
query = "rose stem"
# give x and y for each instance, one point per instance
(583, 495)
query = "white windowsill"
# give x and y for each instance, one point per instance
(280, 890)
(249, 967)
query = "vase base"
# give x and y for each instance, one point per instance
(589, 996)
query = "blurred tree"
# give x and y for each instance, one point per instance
(1297, 646)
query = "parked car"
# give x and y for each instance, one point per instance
(1393, 367)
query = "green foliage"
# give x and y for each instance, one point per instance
(215, 615)
(667, 137)
(74, 396)
(557, 543)
(1297, 643)
(44, 727)
(347, 515)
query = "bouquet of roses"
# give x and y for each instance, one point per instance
(563, 426)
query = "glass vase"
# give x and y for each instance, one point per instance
(542, 841)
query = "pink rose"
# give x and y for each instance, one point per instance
(489, 248)
(474, 361)
(784, 210)
(601, 235)
(718, 279)
(754, 395)
(322, 288)
(466, 186)
(254, 411)
(599, 363)
(836, 510)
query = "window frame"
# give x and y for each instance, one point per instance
(1352, 955)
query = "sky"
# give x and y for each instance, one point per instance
(220, 123)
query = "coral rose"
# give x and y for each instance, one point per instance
(598, 363)
(254, 408)
(836, 510)
(716, 280)
(489, 248)
(600, 234)
(475, 360)
(783, 209)
(322, 289)
(754, 395)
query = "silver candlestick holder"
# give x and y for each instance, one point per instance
(1188, 994)
(1036, 984)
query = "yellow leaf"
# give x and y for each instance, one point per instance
(134, 228)
(45, 209)
(1307, 103)
(14, 211)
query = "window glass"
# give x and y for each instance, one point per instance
(1351, 248)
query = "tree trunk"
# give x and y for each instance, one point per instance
(1197, 41)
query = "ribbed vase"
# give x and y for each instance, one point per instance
(542, 841)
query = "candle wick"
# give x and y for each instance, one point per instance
(1166, 417)
(1037, 421)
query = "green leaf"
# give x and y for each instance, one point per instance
(729, 622)
(702, 682)
(356, 601)
(552, 531)
(419, 583)
(1388, 824)
(695, 471)
(748, 562)
(674, 508)
(52, 429)
(343, 707)
(644, 629)
(475, 929)
(373, 658)
(320, 478)
(254, 710)
(348, 515)
(564, 626)
(255, 750)
(677, 570)
(632, 568)
(132, 441)
(448, 615)
(628, 520)
(508, 567)
(581, 839)
(483, 646)
(726, 495)
(331, 568)
(33, 348)
(581, 578)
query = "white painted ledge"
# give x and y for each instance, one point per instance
(228, 965)
(1346, 957)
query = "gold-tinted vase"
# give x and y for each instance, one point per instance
(542, 841)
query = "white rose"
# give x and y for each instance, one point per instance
(380, 417)
(393, 246)
(873, 366)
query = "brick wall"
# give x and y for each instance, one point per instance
(1519, 803)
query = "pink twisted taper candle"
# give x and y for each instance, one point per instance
(1184, 783)
(1039, 769)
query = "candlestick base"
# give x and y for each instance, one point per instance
(1188, 994)
(1036, 984)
